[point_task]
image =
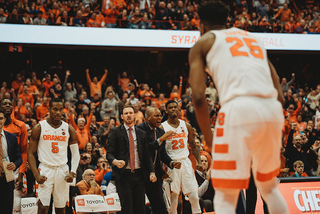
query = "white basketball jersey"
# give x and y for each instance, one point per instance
(317, 118)
(239, 66)
(53, 144)
(177, 145)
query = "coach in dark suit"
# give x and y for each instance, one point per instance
(156, 139)
(127, 151)
(8, 148)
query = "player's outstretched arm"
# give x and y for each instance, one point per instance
(75, 155)
(197, 63)
(33, 146)
(276, 83)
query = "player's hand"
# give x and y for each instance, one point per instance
(153, 177)
(167, 135)
(19, 182)
(93, 183)
(199, 167)
(41, 179)
(11, 166)
(176, 165)
(69, 177)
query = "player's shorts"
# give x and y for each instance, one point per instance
(55, 185)
(247, 134)
(184, 178)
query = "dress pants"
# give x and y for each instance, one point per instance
(6, 197)
(155, 196)
(131, 190)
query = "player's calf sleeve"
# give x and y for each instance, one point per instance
(225, 200)
(194, 201)
(174, 203)
(75, 157)
(272, 196)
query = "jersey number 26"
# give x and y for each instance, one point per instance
(255, 50)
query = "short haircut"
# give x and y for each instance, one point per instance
(40, 12)
(297, 163)
(169, 102)
(127, 106)
(213, 13)
(4, 99)
(54, 100)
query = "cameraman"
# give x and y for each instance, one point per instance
(83, 165)
(103, 168)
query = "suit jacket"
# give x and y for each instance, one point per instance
(13, 152)
(154, 146)
(118, 148)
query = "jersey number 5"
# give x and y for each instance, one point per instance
(177, 145)
(55, 148)
(255, 50)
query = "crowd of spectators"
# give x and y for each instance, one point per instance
(280, 16)
(95, 111)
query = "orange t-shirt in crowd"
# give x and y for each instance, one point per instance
(16, 84)
(176, 95)
(31, 89)
(84, 134)
(23, 111)
(147, 95)
(139, 118)
(111, 16)
(284, 14)
(160, 102)
(124, 83)
(47, 85)
(19, 128)
(293, 116)
(100, 17)
(94, 88)
(93, 23)
(99, 174)
(27, 98)
(301, 126)
(195, 23)
(56, 12)
(42, 111)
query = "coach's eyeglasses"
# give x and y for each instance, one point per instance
(90, 174)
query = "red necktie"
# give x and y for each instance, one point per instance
(131, 147)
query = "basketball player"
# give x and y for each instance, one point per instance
(177, 149)
(249, 124)
(50, 138)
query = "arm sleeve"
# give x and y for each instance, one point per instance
(23, 148)
(89, 122)
(298, 108)
(203, 188)
(88, 76)
(99, 175)
(165, 158)
(103, 78)
(112, 140)
(18, 158)
(83, 190)
(75, 157)
(73, 124)
(291, 81)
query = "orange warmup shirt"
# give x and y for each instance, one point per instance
(93, 23)
(124, 83)
(94, 88)
(19, 128)
(293, 116)
(111, 16)
(41, 111)
(16, 84)
(31, 89)
(84, 134)
(99, 174)
(27, 98)
(284, 15)
(47, 85)
(177, 95)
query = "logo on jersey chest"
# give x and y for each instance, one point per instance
(55, 138)
(178, 135)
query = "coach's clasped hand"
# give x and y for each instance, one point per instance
(153, 177)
